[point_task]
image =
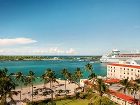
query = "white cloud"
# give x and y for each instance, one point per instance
(16, 41)
(8, 47)
(36, 51)
(71, 51)
(55, 50)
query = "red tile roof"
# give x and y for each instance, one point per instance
(123, 96)
(87, 82)
(111, 81)
(124, 65)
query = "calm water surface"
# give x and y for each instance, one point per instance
(40, 66)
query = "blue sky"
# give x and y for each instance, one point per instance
(67, 27)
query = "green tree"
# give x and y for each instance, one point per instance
(92, 76)
(78, 75)
(134, 88)
(126, 86)
(49, 76)
(45, 78)
(7, 84)
(65, 74)
(21, 79)
(29, 80)
(101, 88)
(70, 77)
(89, 67)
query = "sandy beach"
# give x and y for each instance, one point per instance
(27, 94)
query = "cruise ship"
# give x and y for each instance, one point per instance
(115, 56)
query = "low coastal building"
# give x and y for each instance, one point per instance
(115, 96)
(122, 99)
(125, 69)
(111, 81)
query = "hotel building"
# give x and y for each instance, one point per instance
(125, 69)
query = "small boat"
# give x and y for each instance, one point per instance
(80, 60)
(92, 62)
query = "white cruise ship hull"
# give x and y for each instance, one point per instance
(109, 60)
(115, 56)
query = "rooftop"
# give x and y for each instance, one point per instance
(123, 96)
(125, 65)
(112, 81)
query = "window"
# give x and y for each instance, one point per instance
(114, 67)
(131, 69)
(138, 71)
(124, 68)
(114, 70)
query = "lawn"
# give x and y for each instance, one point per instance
(73, 102)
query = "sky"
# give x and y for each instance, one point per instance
(68, 27)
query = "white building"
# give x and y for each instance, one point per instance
(122, 99)
(125, 69)
(82, 84)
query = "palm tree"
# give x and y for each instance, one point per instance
(126, 86)
(92, 75)
(89, 67)
(101, 88)
(78, 75)
(49, 76)
(7, 84)
(45, 78)
(70, 77)
(134, 88)
(29, 80)
(137, 81)
(20, 78)
(65, 74)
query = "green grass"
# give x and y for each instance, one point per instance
(73, 102)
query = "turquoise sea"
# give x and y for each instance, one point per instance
(57, 65)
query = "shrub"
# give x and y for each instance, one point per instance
(77, 95)
(83, 95)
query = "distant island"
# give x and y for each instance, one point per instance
(26, 58)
